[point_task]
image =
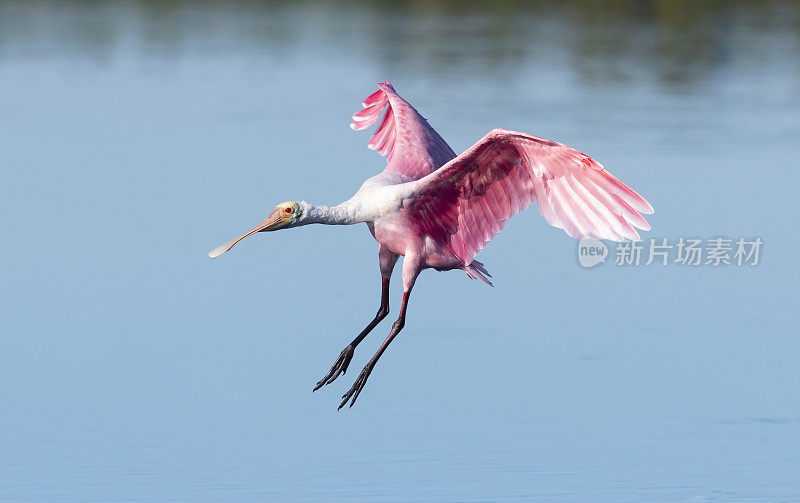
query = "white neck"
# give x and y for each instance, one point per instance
(342, 214)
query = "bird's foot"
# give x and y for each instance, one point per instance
(340, 367)
(357, 386)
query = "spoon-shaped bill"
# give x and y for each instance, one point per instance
(271, 221)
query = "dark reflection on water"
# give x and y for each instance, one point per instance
(680, 43)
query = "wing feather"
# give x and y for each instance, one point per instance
(599, 215)
(467, 201)
(411, 146)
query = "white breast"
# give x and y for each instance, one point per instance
(381, 196)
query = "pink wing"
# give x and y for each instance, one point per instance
(468, 201)
(410, 144)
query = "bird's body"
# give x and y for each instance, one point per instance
(439, 210)
(382, 203)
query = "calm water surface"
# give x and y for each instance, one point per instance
(136, 136)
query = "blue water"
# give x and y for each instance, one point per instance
(136, 136)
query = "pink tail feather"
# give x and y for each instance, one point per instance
(475, 270)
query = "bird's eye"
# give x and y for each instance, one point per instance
(287, 210)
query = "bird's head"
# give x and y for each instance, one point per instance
(285, 215)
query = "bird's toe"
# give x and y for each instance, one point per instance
(352, 395)
(338, 368)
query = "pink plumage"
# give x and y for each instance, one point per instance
(460, 203)
(402, 129)
(468, 201)
(439, 210)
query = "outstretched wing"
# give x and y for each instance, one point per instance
(410, 144)
(466, 202)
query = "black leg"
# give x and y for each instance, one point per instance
(340, 366)
(362, 379)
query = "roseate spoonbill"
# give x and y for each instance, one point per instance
(438, 210)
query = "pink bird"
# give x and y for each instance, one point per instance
(439, 210)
